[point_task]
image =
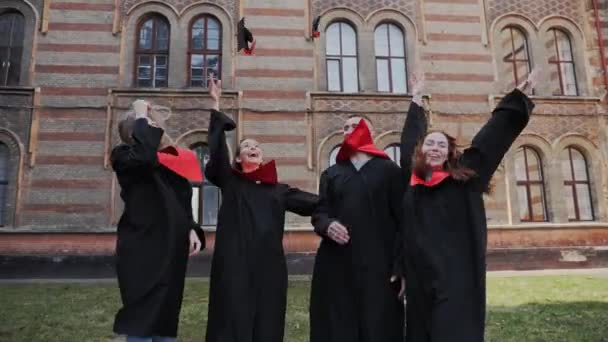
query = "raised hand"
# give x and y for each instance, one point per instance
(532, 81)
(418, 85)
(337, 232)
(215, 91)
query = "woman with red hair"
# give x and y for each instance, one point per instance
(444, 218)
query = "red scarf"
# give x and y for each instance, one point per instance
(182, 162)
(266, 173)
(360, 140)
(436, 178)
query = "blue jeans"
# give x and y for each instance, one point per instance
(151, 339)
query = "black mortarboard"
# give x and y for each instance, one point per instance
(245, 37)
(315, 27)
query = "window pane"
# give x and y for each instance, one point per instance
(349, 73)
(534, 166)
(198, 34)
(382, 72)
(4, 155)
(394, 152)
(145, 35)
(522, 201)
(332, 46)
(333, 154)
(6, 22)
(398, 74)
(196, 61)
(381, 40)
(568, 78)
(144, 83)
(521, 45)
(565, 164)
(397, 41)
(211, 199)
(520, 166)
(538, 203)
(161, 73)
(213, 64)
(579, 164)
(564, 47)
(161, 61)
(196, 200)
(584, 202)
(162, 35)
(333, 75)
(144, 73)
(213, 34)
(569, 199)
(14, 68)
(349, 40)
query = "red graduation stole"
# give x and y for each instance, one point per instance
(182, 162)
(266, 173)
(360, 140)
(436, 178)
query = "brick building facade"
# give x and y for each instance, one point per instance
(75, 66)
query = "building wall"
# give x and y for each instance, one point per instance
(78, 80)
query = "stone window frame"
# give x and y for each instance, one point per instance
(179, 23)
(16, 158)
(536, 34)
(32, 20)
(152, 53)
(365, 30)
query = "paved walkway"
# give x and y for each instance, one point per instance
(591, 272)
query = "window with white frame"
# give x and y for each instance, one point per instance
(341, 58)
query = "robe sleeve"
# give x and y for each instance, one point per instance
(414, 129)
(218, 170)
(495, 138)
(300, 202)
(142, 155)
(320, 217)
(193, 225)
(396, 208)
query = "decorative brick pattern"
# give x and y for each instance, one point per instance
(365, 7)
(180, 5)
(537, 9)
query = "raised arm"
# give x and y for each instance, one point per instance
(414, 129)
(218, 170)
(495, 138)
(300, 202)
(142, 154)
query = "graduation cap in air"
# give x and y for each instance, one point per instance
(245, 38)
(315, 27)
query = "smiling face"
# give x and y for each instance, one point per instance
(250, 155)
(435, 149)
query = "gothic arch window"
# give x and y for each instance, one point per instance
(12, 36)
(205, 50)
(516, 53)
(577, 188)
(206, 197)
(152, 52)
(530, 185)
(563, 73)
(341, 57)
(391, 66)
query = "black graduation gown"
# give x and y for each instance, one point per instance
(153, 237)
(352, 298)
(248, 289)
(445, 230)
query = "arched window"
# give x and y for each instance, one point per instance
(530, 185)
(576, 185)
(394, 152)
(333, 154)
(4, 169)
(205, 50)
(152, 53)
(341, 54)
(206, 197)
(516, 54)
(390, 59)
(12, 33)
(563, 62)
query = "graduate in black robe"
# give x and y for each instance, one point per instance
(248, 290)
(156, 232)
(352, 296)
(445, 223)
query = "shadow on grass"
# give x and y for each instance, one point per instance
(585, 321)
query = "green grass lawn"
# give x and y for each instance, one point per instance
(552, 308)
